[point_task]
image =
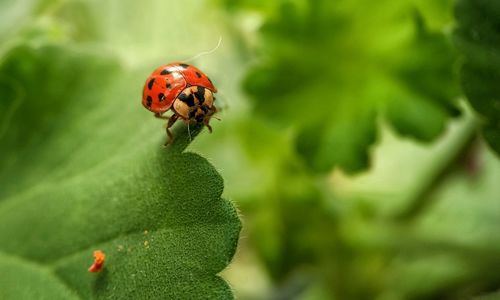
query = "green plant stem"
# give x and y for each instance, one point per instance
(423, 198)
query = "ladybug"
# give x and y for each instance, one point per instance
(185, 90)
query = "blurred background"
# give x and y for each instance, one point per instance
(345, 141)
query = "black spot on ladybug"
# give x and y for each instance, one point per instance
(165, 72)
(161, 96)
(200, 94)
(192, 114)
(150, 83)
(149, 100)
(198, 74)
(169, 86)
(204, 108)
(189, 100)
(199, 118)
(185, 66)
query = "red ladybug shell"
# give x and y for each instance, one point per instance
(166, 83)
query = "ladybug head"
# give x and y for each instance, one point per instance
(195, 104)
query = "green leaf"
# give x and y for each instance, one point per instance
(478, 38)
(14, 13)
(83, 168)
(491, 296)
(330, 68)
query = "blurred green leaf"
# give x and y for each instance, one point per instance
(478, 38)
(14, 14)
(492, 296)
(81, 170)
(329, 68)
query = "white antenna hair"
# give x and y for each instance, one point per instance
(205, 52)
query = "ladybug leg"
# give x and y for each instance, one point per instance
(159, 116)
(213, 111)
(208, 125)
(210, 114)
(170, 123)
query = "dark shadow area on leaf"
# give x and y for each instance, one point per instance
(100, 281)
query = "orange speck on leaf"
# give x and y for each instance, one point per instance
(98, 261)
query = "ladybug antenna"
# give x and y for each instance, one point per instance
(205, 52)
(189, 133)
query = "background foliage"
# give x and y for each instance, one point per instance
(359, 139)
